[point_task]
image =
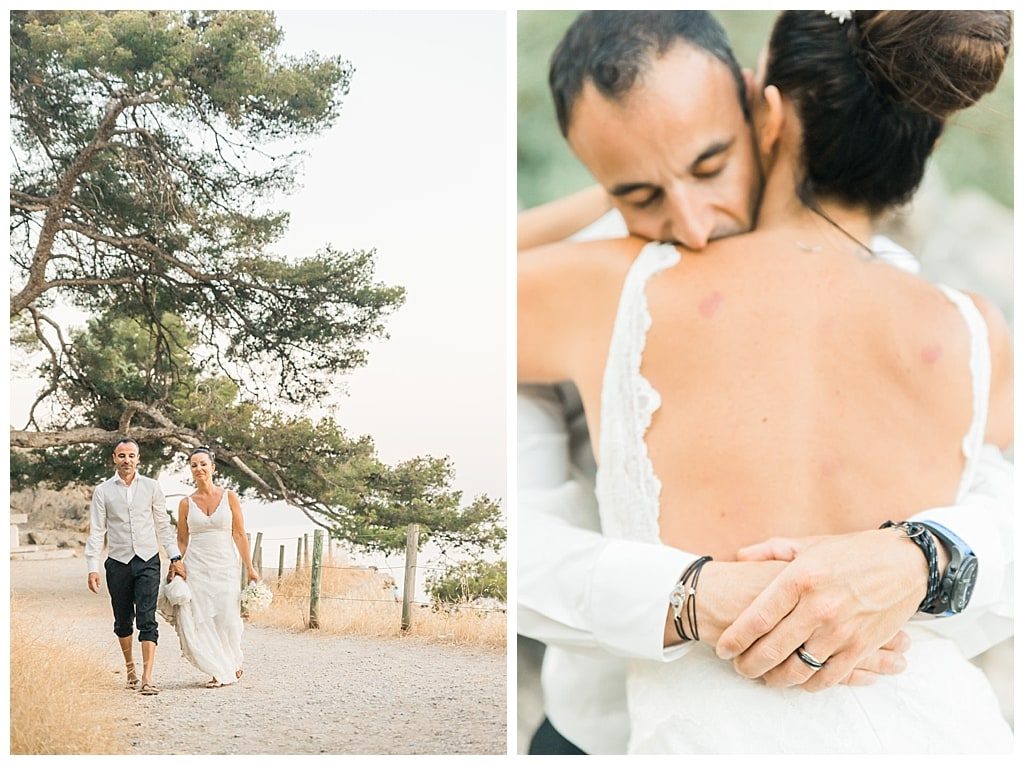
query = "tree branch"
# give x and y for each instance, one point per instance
(59, 203)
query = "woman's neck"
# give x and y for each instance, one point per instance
(204, 487)
(781, 207)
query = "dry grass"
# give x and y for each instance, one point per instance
(57, 705)
(356, 602)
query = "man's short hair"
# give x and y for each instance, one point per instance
(613, 49)
(127, 441)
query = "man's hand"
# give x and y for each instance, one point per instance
(176, 568)
(842, 598)
(94, 581)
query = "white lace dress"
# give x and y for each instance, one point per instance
(699, 704)
(209, 626)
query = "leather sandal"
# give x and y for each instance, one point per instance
(215, 683)
(148, 689)
(132, 683)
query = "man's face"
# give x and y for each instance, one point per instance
(675, 153)
(126, 460)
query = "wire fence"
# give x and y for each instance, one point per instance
(316, 565)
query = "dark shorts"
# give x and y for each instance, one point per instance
(547, 740)
(134, 587)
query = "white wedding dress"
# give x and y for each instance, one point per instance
(698, 703)
(209, 625)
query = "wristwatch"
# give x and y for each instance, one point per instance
(958, 580)
(175, 559)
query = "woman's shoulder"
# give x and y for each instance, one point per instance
(567, 294)
(583, 277)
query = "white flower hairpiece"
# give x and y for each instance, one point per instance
(840, 16)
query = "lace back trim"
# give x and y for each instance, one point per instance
(628, 489)
(981, 379)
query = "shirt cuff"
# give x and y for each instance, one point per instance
(93, 564)
(630, 598)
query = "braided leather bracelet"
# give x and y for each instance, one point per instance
(918, 534)
(683, 598)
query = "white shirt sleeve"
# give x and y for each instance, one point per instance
(97, 530)
(576, 588)
(162, 522)
(984, 520)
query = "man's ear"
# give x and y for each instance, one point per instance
(771, 121)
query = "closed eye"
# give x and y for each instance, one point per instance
(708, 174)
(650, 200)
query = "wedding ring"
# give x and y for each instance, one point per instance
(809, 660)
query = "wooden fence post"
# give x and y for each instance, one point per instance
(412, 543)
(298, 554)
(280, 564)
(257, 554)
(314, 579)
(305, 550)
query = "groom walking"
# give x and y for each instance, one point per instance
(130, 510)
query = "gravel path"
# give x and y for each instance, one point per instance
(303, 692)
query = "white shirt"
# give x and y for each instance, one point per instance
(596, 602)
(134, 519)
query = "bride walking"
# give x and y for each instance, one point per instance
(211, 537)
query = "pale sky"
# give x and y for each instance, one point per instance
(415, 167)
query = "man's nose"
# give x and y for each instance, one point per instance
(690, 221)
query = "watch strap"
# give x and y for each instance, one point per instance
(918, 534)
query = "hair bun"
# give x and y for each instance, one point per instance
(935, 61)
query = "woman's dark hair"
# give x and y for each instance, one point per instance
(613, 49)
(203, 450)
(874, 92)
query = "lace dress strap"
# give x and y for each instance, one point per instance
(981, 377)
(628, 489)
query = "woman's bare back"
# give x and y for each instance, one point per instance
(802, 392)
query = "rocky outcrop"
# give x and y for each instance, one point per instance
(56, 537)
(55, 518)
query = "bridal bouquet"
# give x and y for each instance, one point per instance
(256, 597)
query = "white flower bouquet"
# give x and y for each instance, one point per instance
(256, 597)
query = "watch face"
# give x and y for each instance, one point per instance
(964, 585)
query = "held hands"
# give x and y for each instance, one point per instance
(843, 599)
(176, 569)
(94, 582)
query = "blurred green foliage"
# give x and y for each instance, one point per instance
(466, 581)
(976, 149)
